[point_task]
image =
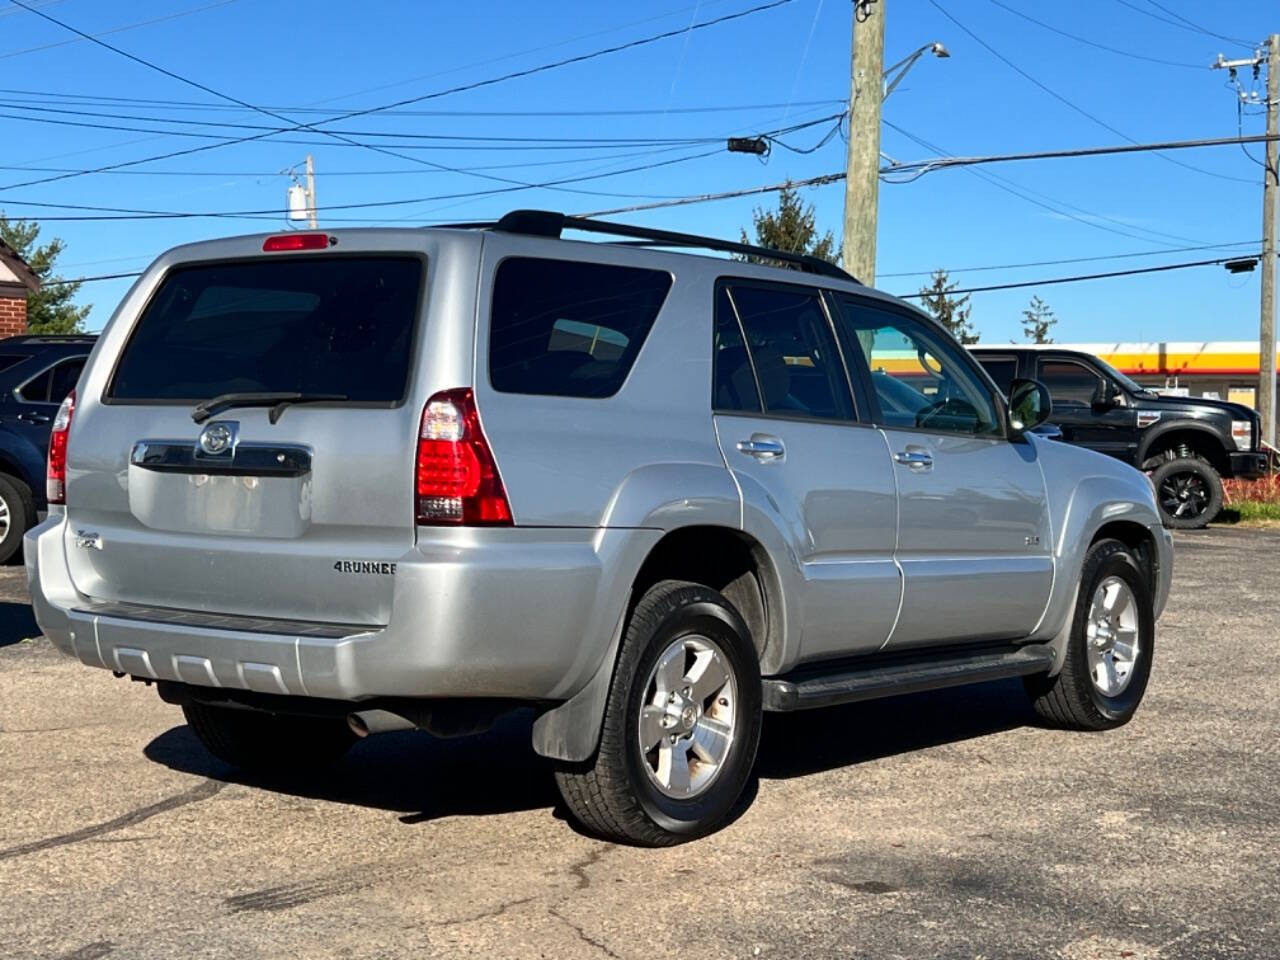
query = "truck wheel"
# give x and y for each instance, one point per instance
(681, 724)
(261, 742)
(1189, 493)
(1107, 662)
(17, 513)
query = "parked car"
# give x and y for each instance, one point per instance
(1185, 444)
(322, 485)
(36, 373)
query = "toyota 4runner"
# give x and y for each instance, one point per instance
(322, 485)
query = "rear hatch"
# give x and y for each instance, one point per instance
(293, 497)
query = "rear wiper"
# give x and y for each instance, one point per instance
(277, 401)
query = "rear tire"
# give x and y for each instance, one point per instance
(678, 742)
(1098, 687)
(260, 742)
(1189, 493)
(17, 515)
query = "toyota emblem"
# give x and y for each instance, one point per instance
(217, 439)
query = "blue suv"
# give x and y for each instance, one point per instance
(36, 373)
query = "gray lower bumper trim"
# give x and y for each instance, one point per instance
(221, 621)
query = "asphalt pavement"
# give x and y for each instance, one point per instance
(937, 825)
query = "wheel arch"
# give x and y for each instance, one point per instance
(1201, 440)
(722, 557)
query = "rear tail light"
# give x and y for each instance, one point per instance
(298, 241)
(56, 478)
(457, 479)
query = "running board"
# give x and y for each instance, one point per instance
(846, 682)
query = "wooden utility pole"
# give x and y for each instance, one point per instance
(313, 220)
(862, 182)
(1267, 353)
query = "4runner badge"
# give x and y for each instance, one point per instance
(364, 566)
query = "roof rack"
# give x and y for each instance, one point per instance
(547, 223)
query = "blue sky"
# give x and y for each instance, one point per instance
(790, 65)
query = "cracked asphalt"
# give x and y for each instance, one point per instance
(939, 825)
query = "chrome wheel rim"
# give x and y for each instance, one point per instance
(1184, 496)
(688, 717)
(1112, 638)
(5, 520)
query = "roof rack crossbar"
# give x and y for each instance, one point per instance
(547, 223)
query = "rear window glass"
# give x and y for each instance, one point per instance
(338, 325)
(569, 329)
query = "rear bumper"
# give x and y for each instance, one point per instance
(519, 613)
(1247, 465)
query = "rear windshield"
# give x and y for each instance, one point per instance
(337, 325)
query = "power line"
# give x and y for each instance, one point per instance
(1050, 281)
(78, 99)
(117, 213)
(1070, 260)
(1181, 22)
(1070, 103)
(460, 88)
(129, 26)
(1127, 54)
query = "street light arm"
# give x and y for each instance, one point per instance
(903, 66)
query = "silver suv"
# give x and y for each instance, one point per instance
(318, 486)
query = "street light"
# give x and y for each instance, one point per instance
(904, 65)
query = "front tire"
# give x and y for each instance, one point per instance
(1107, 662)
(268, 743)
(1189, 493)
(681, 724)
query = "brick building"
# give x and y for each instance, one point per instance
(16, 282)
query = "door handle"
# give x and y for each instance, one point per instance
(34, 418)
(762, 448)
(915, 459)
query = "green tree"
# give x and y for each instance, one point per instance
(950, 311)
(1037, 321)
(53, 309)
(792, 228)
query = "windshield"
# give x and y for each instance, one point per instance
(303, 325)
(1120, 378)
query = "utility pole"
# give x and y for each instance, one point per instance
(862, 182)
(1267, 351)
(313, 220)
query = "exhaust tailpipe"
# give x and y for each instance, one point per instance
(365, 723)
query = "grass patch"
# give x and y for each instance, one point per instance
(1251, 501)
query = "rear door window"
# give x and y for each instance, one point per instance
(569, 329)
(53, 385)
(335, 325)
(1070, 383)
(793, 356)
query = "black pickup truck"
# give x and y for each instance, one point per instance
(1185, 444)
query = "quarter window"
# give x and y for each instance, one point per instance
(920, 378)
(790, 350)
(569, 329)
(1069, 383)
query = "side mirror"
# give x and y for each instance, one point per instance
(1048, 431)
(1107, 395)
(1029, 405)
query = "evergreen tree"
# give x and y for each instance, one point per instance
(950, 311)
(52, 310)
(792, 228)
(1038, 318)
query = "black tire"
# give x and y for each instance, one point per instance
(1189, 493)
(16, 497)
(268, 743)
(1071, 699)
(612, 795)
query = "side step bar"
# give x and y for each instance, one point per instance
(846, 682)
